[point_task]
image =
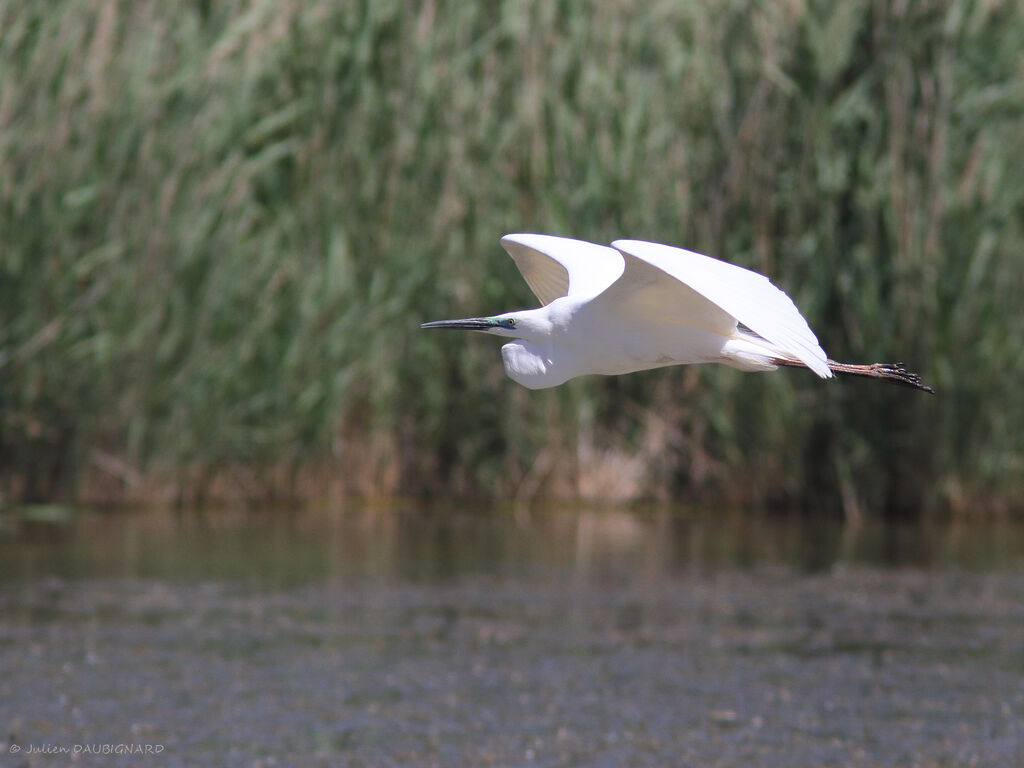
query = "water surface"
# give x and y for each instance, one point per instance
(407, 636)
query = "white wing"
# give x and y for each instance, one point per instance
(559, 266)
(733, 293)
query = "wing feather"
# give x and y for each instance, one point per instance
(746, 296)
(560, 266)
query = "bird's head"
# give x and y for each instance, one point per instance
(529, 358)
(519, 325)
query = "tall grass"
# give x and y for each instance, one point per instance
(220, 224)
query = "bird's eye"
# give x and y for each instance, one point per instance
(511, 322)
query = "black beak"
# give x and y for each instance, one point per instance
(469, 324)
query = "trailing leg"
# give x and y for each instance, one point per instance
(894, 373)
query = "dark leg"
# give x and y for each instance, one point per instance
(894, 373)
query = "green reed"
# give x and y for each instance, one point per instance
(221, 223)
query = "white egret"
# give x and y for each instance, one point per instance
(639, 305)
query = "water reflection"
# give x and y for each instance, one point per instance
(433, 543)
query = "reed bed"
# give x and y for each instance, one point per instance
(221, 223)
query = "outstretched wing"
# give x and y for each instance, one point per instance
(559, 266)
(736, 294)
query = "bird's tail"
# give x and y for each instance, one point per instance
(894, 373)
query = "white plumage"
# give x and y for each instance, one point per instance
(557, 266)
(745, 296)
(639, 305)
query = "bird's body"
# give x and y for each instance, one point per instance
(557, 351)
(638, 305)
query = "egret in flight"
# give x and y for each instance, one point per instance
(639, 305)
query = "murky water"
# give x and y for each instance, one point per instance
(401, 636)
